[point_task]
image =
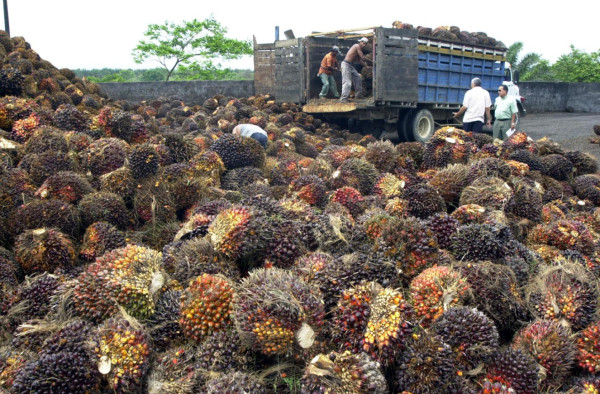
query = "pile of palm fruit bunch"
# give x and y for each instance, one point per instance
(452, 33)
(145, 248)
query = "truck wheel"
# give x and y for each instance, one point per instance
(404, 127)
(422, 126)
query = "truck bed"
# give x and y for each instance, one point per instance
(324, 106)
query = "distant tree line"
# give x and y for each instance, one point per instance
(160, 74)
(576, 66)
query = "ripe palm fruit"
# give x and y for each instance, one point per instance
(350, 198)
(423, 200)
(510, 370)
(586, 384)
(46, 138)
(491, 166)
(435, 290)
(584, 162)
(206, 306)
(120, 182)
(526, 202)
(104, 207)
(122, 352)
(286, 245)
(68, 118)
(235, 382)
(489, 192)
(497, 293)
(65, 365)
(409, 244)
(480, 242)
(372, 319)
(35, 293)
(425, 366)
(374, 222)
(274, 311)
(552, 347)
(174, 372)
(42, 165)
(450, 182)
(448, 145)
(44, 250)
(319, 269)
(388, 186)
(470, 213)
(129, 277)
(310, 189)
(588, 348)
(236, 151)
(100, 237)
(67, 186)
(343, 372)
(143, 161)
(564, 235)
(105, 155)
(154, 202)
(471, 335)
(382, 154)
(235, 232)
(222, 351)
(208, 166)
(357, 173)
(566, 293)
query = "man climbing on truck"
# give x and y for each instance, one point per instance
(329, 64)
(349, 74)
(476, 105)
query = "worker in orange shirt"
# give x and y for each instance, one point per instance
(329, 64)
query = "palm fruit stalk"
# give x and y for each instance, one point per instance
(206, 306)
(275, 311)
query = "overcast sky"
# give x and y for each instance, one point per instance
(101, 34)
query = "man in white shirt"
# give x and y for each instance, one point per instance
(251, 131)
(476, 104)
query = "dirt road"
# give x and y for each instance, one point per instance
(571, 130)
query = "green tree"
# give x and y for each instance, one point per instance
(524, 64)
(195, 45)
(578, 66)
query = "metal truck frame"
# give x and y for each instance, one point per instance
(417, 81)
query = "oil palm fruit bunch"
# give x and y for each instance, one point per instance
(206, 306)
(236, 151)
(343, 372)
(319, 269)
(357, 173)
(425, 366)
(510, 370)
(143, 161)
(584, 162)
(120, 182)
(100, 237)
(275, 311)
(333, 231)
(68, 186)
(129, 277)
(588, 187)
(517, 141)
(480, 242)
(470, 213)
(374, 320)
(435, 290)
(388, 186)
(209, 167)
(448, 146)
(104, 207)
(223, 351)
(238, 178)
(382, 154)
(337, 154)
(65, 364)
(238, 232)
(287, 244)
(35, 294)
(491, 166)
(350, 198)
(526, 202)
(588, 348)
(489, 192)
(557, 166)
(532, 160)
(374, 222)
(564, 234)
(67, 117)
(471, 335)
(409, 244)
(44, 250)
(46, 138)
(154, 202)
(587, 384)
(450, 182)
(235, 382)
(122, 353)
(310, 189)
(42, 165)
(174, 372)
(497, 293)
(105, 155)
(423, 200)
(552, 347)
(566, 293)
(443, 226)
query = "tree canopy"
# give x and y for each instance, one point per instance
(193, 46)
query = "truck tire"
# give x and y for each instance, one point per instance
(421, 126)
(404, 128)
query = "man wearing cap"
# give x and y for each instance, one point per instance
(349, 74)
(328, 65)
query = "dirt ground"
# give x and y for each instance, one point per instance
(571, 130)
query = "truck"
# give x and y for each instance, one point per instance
(417, 81)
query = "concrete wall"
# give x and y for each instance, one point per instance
(561, 96)
(191, 92)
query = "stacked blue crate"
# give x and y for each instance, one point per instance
(444, 78)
